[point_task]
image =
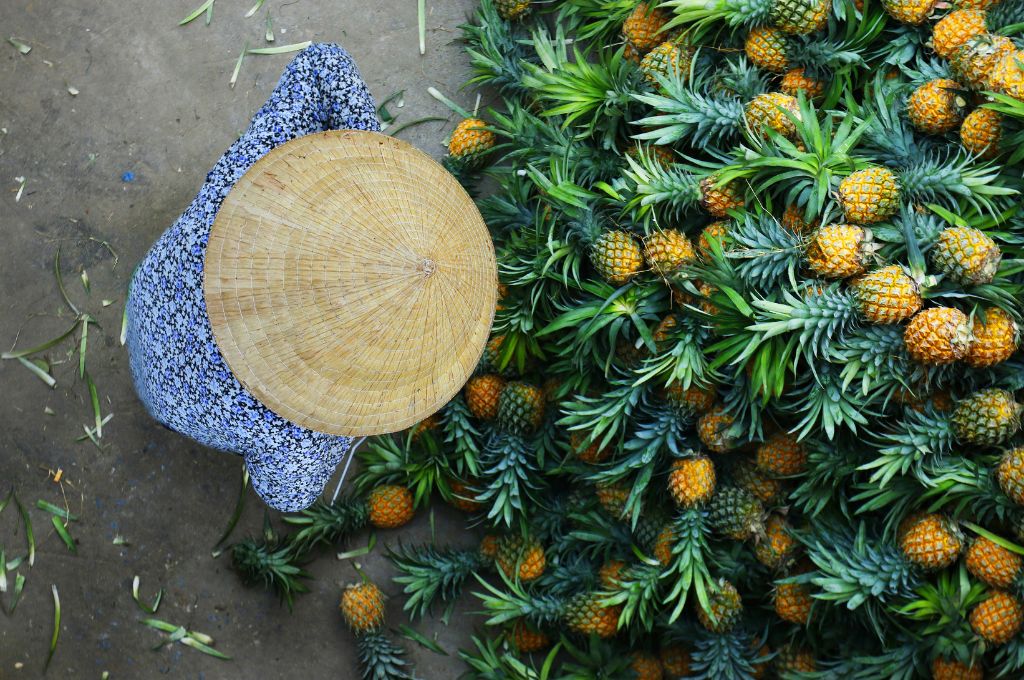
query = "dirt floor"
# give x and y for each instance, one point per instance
(99, 175)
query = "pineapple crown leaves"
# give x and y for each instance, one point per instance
(599, 660)
(270, 561)
(606, 416)
(675, 189)
(966, 487)
(856, 569)
(766, 251)
(382, 659)
(429, 574)
(496, 52)
(327, 523)
(491, 660)
(461, 435)
(505, 604)
(638, 591)
(419, 463)
(699, 15)
(688, 571)
(829, 470)
(943, 604)
(908, 443)
(825, 405)
(684, 362)
(508, 472)
(727, 655)
(875, 362)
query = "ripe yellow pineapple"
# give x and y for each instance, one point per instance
(793, 219)
(616, 256)
(668, 60)
(362, 607)
(995, 339)
(521, 558)
(693, 399)
(390, 506)
(483, 393)
(932, 541)
(663, 545)
(987, 417)
(471, 141)
(887, 295)
(939, 335)
(992, 563)
(646, 666)
(719, 200)
(1007, 75)
(725, 608)
(793, 602)
(777, 547)
(667, 250)
(913, 12)
(768, 112)
(675, 659)
(642, 28)
(610, 574)
(840, 251)
(714, 427)
(1010, 474)
(520, 408)
(692, 481)
(510, 10)
(766, 47)
(587, 615)
(796, 80)
(937, 107)
(981, 132)
(870, 195)
(974, 62)
(594, 453)
(800, 17)
(951, 669)
(966, 255)
(767, 489)
(781, 455)
(719, 231)
(998, 618)
(955, 29)
(527, 639)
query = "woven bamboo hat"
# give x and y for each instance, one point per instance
(350, 283)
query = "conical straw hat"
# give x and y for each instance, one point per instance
(350, 283)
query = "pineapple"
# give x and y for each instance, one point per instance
(781, 455)
(793, 660)
(995, 339)
(692, 481)
(362, 607)
(718, 231)
(463, 497)
(796, 80)
(981, 132)
(936, 107)
(736, 513)
(793, 219)
(667, 250)
(966, 255)
(646, 666)
(715, 430)
(987, 417)
(675, 660)
(768, 112)
(592, 454)
(992, 563)
(610, 574)
(663, 545)
(931, 542)
(471, 141)
(955, 29)
(489, 546)
(938, 335)
(642, 29)
(725, 607)
(664, 155)
(1007, 74)
(521, 558)
(766, 47)
(998, 618)
(870, 195)
(510, 10)
(913, 12)
(520, 408)
(951, 669)
(667, 60)
(800, 17)
(767, 489)
(527, 639)
(616, 256)
(431, 423)
(793, 603)
(586, 615)
(975, 61)
(840, 251)
(692, 399)
(483, 394)
(390, 506)
(887, 295)
(719, 200)
(1010, 474)
(613, 496)
(777, 548)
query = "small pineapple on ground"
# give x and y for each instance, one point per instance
(796, 80)
(471, 142)
(715, 430)
(736, 513)
(977, 62)
(1007, 74)
(998, 618)
(668, 60)
(887, 295)
(642, 28)
(520, 408)
(955, 29)
(952, 669)
(646, 666)
(777, 547)
(766, 47)
(781, 455)
(616, 256)
(992, 563)
(667, 250)
(675, 661)
(528, 639)
(719, 200)
(362, 607)
(692, 399)
(521, 558)
(769, 111)
(931, 542)
(390, 506)
(586, 614)
(510, 10)
(987, 417)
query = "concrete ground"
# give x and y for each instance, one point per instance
(153, 100)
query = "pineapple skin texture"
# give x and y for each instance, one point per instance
(800, 17)
(528, 640)
(766, 48)
(586, 615)
(667, 250)
(992, 563)
(713, 427)
(726, 609)
(955, 29)
(997, 619)
(796, 80)
(930, 543)
(692, 481)
(781, 455)
(510, 10)
(870, 195)
(987, 417)
(887, 295)
(617, 257)
(362, 607)
(975, 62)
(913, 12)
(768, 112)
(939, 335)
(1007, 75)
(390, 506)
(777, 548)
(675, 660)
(668, 60)
(483, 394)
(837, 251)
(981, 132)
(470, 141)
(935, 108)
(1010, 474)
(951, 669)
(642, 28)
(995, 339)
(967, 255)
(520, 408)
(718, 201)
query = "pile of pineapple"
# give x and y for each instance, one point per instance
(750, 408)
